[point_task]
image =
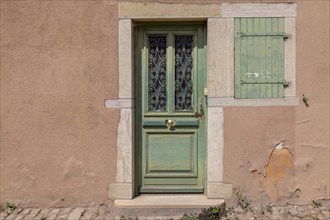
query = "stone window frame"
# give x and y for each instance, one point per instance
(224, 95)
(220, 77)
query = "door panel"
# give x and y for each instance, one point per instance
(170, 76)
(171, 154)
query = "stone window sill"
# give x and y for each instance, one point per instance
(226, 101)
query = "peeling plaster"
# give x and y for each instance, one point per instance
(279, 165)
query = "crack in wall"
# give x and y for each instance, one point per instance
(303, 121)
(279, 165)
(315, 146)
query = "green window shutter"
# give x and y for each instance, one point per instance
(259, 58)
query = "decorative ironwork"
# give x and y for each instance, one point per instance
(157, 74)
(183, 73)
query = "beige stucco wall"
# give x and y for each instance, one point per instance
(58, 141)
(58, 64)
(252, 133)
(312, 124)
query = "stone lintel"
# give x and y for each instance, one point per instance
(166, 11)
(259, 10)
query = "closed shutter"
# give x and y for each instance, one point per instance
(259, 58)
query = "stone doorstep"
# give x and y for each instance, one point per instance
(164, 205)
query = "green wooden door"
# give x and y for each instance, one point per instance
(170, 108)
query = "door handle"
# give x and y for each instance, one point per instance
(170, 123)
(200, 114)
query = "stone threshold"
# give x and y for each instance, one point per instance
(164, 206)
(169, 201)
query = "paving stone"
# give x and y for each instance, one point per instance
(26, 211)
(64, 214)
(3, 215)
(309, 207)
(238, 210)
(88, 216)
(105, 212)
(13, 214)
(275, 216)
(249, 215)
(33, 213)
(320, 216)
(301, 208)
(103, 209)
(293, 212)
(20, 217)
(42, 214)
(108, 216)
(314, 211)
(76, 214)
(19, 210)
(322, 208)
(326, 214)
(90, 213)
(53, 214)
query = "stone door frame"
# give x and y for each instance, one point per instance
(220, 70)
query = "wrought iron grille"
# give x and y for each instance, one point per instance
(157, 74)
(183, 73)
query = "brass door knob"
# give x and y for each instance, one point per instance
(170, 123)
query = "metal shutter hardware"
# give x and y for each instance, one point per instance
(285, 83)
(268, 34)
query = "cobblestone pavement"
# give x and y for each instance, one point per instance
(79, 213)
(307, 212)
(314, 211)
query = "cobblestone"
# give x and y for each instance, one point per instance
(43, 214)
(53, 214)
(33, 214)
(64, 214)
(103, 209)
(11, 215)
(76, 214)
(106, 212)
(26, 211)
(90, 213)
